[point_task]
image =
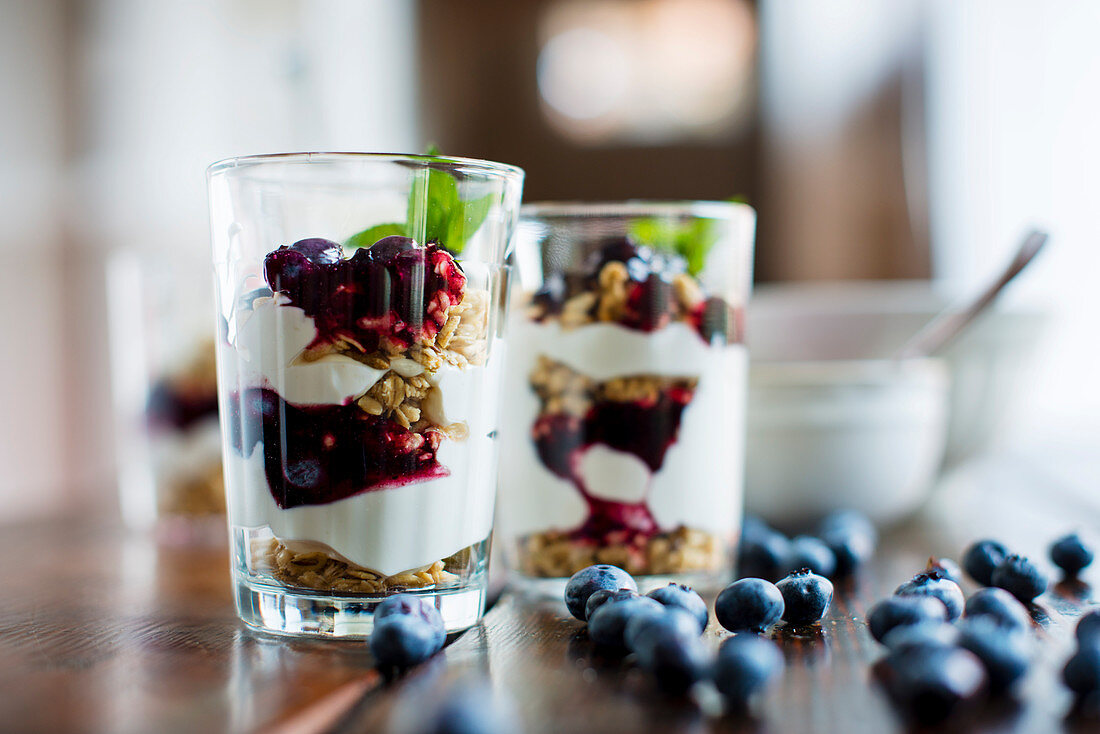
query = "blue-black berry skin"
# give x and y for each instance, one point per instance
(812, 553)
(750, 605)
(402, 640)
(806, 598)
(414, 605)
(1070, 554)
(935, 584)
(899, 611)
(1005, 652)
(851, 537)
(932, 683)
(947, 568)
(471, 707)
(644, 628)
(684, 597)
(745, 665)
(999, 605)
(583, 583)
(763, 556)
(603, 596)
(929, 634)
(1082, 671)
(1088, 627)
(676, 661)
(981, 558)
(1020, 577)
(608, 623)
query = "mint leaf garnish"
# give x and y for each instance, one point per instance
(691, 240)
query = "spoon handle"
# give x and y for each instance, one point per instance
(942, 330)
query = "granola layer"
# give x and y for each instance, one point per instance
(202, 493)
(556, 554)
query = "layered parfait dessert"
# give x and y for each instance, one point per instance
(624, 422)
(361, 418)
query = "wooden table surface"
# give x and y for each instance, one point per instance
(104, 631)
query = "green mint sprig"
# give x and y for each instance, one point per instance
(690, 240)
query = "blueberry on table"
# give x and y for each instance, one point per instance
(684, 597)
(1004, 651)
(608, 623)
(932, 683)
(1070, 554)
(753, 528)
(851, 537)
(471, 708)
(745, 665)
(675, 660)
(1020, 577)
(644, 627)
(981, 558)
(809, 552)
(602, 596)
(1082, 671)
(764, 556)
(1088, 627)
(415, 606)
(581, 585)
(998, 604)
(927, 634)
(946, 567)
(935, 584)
(806, 598)
(899, 611)
(402, 640)
(750, 605)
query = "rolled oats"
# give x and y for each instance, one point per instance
(555, 554)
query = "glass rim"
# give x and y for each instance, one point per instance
(703, 208)
(468, 166)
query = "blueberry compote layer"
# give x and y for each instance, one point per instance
(394, 293)
(316, 454)
(172, 407)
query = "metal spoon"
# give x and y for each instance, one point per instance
(942, 330)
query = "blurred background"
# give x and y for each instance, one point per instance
(879, 140)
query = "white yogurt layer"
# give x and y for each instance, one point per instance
(700, 482)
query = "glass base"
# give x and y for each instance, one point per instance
(282, 611)
(546, 588)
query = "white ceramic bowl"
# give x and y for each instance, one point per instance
(827, 435)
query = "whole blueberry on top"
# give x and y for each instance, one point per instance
(851, 537)
(319, 251)
(763, 555)
(932, 683)
(1088, 627)
(749, 605)
(898, 611)
(806, 597)
(926, 634)
(1020, 577)
(981, 558)
(1004, 651)
(934, 583)
(608, 624)
(946, 567)
(581, 585)
(471, 707)
(809, 552)
(1082, 671)
(746, 664)
(676, 661)
(1070, 554)
(416, 606)
(387, 249)
(685, 597)
(603, 596)
(402, 640)
(998, 604)
(644, 627)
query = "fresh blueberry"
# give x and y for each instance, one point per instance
(402, 640)
(806, 598)
(1088, 627)
(414, 605)
(1019, 577)
(1082, 671)
(685, 597)
(319, 251)
(998, 604)
(581, 585)
(753, 528)
(602, 596)
(981, 558)
(934, 583)
(677, 661)
(644, 627)
(899, 611)
(947, 568)
(1071, 554)
(746, 664)
(931, 683)
(471, 707)
(1005, 652)
(608, 623)
(749, 604)
(388, 248)
(809, 552)
(639, 620)
(851, 537)
(929, 634)
(764, 556)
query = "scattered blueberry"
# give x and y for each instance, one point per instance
(581, 585)
(746, 664)
(608, 623)
(947, 567)
(934, 583)
(416, 606)
(753, 528)
(899, 611)
(929, 634)
(1004, 651)
(981, 558)
(749, 604)
(1071, 554)
(809, 552)
(1020, 577)
(685, 597)
(1088, 627)
(402, 640)
(602, 596)
(998, 604)
(806, 598)
(851, 537)
(638, 620)
(1082, 671)
(764, 556)
(677, 661)
(644, 627)
(470, 707)
(931, 683)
